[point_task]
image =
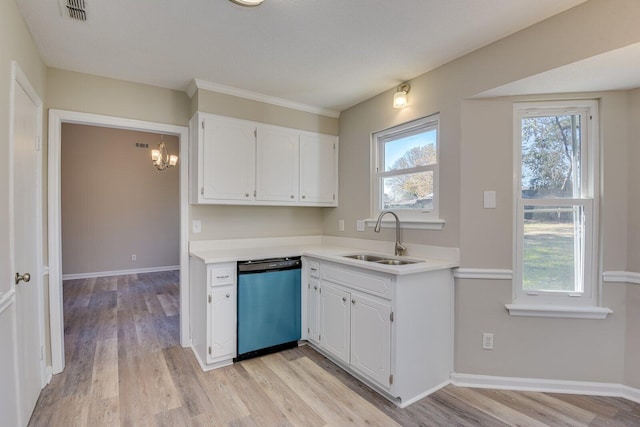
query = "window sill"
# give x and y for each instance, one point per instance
(570, 312)
(435, 224)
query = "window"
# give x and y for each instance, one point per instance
(556, 194)
(405, 172)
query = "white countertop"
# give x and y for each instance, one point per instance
(323, 252)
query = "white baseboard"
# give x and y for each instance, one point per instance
(119, 272)
(547, 386)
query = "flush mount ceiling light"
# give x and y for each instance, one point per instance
(161, 159)
(400, 97)
(247, 2)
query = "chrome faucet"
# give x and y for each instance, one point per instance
(400, 248)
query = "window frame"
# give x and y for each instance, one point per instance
(589, 199)
(411, 218)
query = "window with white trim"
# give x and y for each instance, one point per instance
(405, 172)
(556, 204)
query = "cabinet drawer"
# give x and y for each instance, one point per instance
(314, 269)
(222, 274)
(379, 285)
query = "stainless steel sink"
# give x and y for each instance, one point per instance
(395, 261)
(381, 260)
(365, 257)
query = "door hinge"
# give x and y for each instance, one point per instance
(255, 194)
(319, 337)
(203, 124)
(41, 352)
(320, 290)
(38, 143)
(334, 196)
(202, 191)
(209, 299)
(390, 379)
(255, 133)
(334, 146)
(209, 349)
(391, 316)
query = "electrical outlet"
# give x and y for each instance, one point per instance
(360, 225)
(341, 225)
(487, 341)
(133, 257)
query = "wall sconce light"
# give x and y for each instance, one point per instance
(161, 159)
(400, 97)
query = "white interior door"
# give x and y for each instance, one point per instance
(26, 246)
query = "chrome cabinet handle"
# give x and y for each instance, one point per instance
(315, 288)
(313, 269)
(222, 277)
(304, 197)
(292, 196)
(26, 277)
(344, 299)
(353, 301)
(228, 295)
(246, 194)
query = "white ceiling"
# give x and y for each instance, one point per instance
(330, 54)
(615, 70)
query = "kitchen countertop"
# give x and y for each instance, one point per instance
(323, 252)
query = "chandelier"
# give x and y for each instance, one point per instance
(161, 159)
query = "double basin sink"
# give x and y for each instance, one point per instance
(381, 259)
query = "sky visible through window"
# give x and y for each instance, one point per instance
(397, 148)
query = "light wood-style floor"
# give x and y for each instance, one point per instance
(124, 367)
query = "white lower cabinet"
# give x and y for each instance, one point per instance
(335, 321)
(213, 299)
(394, 332)
(222, 323)
(371, 338)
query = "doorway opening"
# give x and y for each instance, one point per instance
(58, 118)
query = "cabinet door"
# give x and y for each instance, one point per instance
(318, 169)
(222, 326)
(334, 320)
(228, 159)
(371, 338)
(314, 311)
(277, 165)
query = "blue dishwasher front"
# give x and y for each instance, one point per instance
(268, 306)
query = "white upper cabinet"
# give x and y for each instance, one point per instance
(318, 169)
(277, 165)
(236, 161)
(222, 160)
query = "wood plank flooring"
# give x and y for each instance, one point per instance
(124, 367)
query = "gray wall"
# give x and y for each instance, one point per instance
(115, 203)
(476, 155)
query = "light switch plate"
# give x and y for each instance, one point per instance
(196, 226)
(489, 199)
(360, 225)
(341, 225)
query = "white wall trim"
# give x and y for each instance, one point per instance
(482, 273)
(255, 96)
(545, 385)
(56, 118)
(621, 276)
(551, 310)
(119, 272)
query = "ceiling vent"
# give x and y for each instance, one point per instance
(76, 9)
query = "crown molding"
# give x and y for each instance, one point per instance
(196, 84)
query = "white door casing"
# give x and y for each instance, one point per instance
(56, 118)
(26, 239)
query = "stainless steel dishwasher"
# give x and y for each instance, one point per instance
(268, 306)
